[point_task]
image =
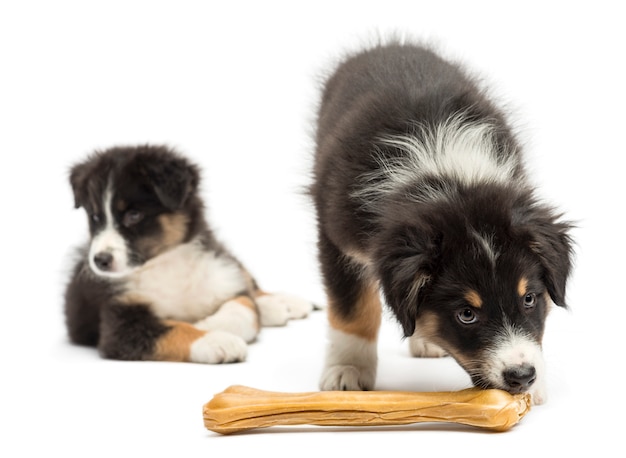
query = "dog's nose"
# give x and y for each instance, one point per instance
(103, 260)
(520, 378)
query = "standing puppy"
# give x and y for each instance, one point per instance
(154, 283)
(420, 191)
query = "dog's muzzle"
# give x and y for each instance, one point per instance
(103, 261)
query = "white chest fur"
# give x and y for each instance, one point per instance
(186, 283)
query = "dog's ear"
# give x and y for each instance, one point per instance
(407, 260)
(550, 240)
(172, 178)
(79, 177)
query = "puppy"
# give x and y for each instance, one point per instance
(420, 191)
(154, 283)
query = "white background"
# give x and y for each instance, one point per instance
(235, 87)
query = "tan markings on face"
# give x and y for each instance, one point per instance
(121, 205)
(428, 328)
(174, 228)
(366, 319)
(176, 343)
(522, 286)
(173, 232)
(473, 298)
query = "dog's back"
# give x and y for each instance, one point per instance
(392, 79)
(383, 93)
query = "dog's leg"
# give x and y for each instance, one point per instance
(238, 316)
(133, 332)
(354, 316)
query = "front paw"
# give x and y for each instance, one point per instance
(347, 378)
(216, 347)
(421, 348)
(278, 309)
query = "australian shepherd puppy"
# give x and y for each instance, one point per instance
(154, 283)
(421, 192)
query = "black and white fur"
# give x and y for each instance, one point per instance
(153, 282)
(421, 192)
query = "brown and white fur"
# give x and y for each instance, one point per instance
(153, 282)
(421, 193)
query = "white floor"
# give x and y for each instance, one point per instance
(235, 88)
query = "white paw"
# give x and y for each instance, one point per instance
(347, 378)
(234, 318)
(351, 363)
(217, 347)
(277, 309)
(422, 348)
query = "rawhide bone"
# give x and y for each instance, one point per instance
(240, 408)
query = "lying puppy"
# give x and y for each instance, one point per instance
(420, 189)
(154, 283)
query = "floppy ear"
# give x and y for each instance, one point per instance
(79, 175)
(173, 179)
(551, 242)
(407, 259)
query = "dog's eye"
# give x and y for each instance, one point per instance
(132, 217)
(530, 300)
(94, 218)
(467, 316)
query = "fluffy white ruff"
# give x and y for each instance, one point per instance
(187, 283)
(456, 149)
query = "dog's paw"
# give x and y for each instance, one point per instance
(347, 378)
(235, 317)
(216, 347)
(277, 309)
(421, 348)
